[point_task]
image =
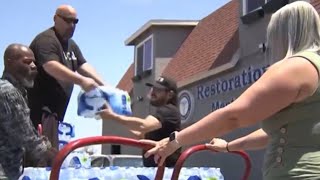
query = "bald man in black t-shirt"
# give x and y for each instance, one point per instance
(60, 65)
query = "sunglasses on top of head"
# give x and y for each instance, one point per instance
(69, 19)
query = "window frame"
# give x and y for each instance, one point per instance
(142, 43)
(245, 6)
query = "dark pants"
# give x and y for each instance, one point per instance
(49, 124)
(50, 128)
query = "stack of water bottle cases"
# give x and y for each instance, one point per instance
(77, 165)
(121, 173)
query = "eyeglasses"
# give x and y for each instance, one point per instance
(69, 19)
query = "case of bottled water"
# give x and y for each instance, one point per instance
(122, 173)
(89, 103)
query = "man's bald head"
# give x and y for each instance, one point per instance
(65, 21)
(16, 51)
(19, 62)
(66, 11)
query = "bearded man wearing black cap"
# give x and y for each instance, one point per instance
(163, 123)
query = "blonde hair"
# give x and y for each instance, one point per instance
(293, 28)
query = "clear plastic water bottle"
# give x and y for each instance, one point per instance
(168, 174)
(41, 174)
(25, 178)
(85, 160)
(148, 172)
(27, 174)
(115, 173)
(66, 174)
(75, 162)
(82, 173)
(211, 173)
(95, 173)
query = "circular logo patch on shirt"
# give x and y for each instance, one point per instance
(186, 105)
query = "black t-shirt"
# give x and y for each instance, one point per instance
(169, 117)
(47, 91)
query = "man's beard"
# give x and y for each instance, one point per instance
(28, 80)
(158, 102)
(28, 83)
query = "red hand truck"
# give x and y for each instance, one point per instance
(63, 153)
(185, 154)
(67, 149)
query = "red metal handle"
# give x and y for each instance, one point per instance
(202, 147)
(40, 129)
(63, 153)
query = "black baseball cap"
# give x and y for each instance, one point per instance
(164, 82)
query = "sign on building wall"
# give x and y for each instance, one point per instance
(217, 92)
(186, 105)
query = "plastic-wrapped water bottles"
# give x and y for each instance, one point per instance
(78, 159)
(89, 103)
(85, 160)
(122, 173)
(66, 131)
(35, 174)
(119, 100)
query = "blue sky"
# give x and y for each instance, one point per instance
(103, 27)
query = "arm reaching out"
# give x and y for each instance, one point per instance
(255, 141)
(136, 125)
(286, 82)
(62, 73)
(88, 71)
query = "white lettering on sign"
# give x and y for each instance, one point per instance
(221, 85)
(220, 104)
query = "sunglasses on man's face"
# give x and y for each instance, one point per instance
(68, 19)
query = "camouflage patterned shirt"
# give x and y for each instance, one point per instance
(17, 133)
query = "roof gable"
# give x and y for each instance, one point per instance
(206, 42)
(125, 82)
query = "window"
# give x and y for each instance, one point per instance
(251, 5)
(144, 56)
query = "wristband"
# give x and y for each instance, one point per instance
(173, 139)
(227, 147)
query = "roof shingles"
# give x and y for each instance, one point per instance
(316, 4)
(126, 83)
(205, 43)
(205, 47)
(202, 47)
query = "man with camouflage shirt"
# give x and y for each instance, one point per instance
(17, 133)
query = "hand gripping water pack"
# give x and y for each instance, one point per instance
(89, 103)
